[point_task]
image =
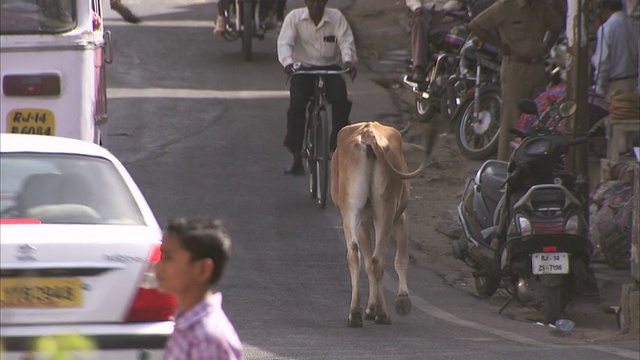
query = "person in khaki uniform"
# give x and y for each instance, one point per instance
(521, 27)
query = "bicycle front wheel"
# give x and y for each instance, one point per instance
(308, 152)
(322, 156)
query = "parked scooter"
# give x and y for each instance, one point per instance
(524, 221)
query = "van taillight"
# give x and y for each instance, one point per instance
(31, 85)
(150, 304)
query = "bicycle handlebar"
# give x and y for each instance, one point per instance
(319, 72)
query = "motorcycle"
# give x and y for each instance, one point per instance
(477, 117)
(461, 66)
(241, 26)
(524, 221)
(445, 86)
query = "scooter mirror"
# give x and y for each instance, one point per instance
(527, 106)
(567, 108)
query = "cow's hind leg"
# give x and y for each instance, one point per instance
(382, 239)
(353, 261)
(367, 253)
(403, 303)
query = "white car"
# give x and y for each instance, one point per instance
(78, 242)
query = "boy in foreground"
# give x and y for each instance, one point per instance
(194, 255)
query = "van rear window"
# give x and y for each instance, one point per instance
(37, 16)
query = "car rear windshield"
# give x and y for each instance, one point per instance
(37, 16)
(65, 189)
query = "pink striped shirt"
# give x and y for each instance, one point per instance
(204, 332)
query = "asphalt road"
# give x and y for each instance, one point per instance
(200, 130)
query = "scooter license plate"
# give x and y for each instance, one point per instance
(550, 263)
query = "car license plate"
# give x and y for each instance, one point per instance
(40, 292)
(31, 121)
(550, 263)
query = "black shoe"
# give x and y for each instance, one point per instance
(295, 170)
(296, 167)
(419, 74)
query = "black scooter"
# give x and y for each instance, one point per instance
(524, 222)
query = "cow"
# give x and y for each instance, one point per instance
(370, 190)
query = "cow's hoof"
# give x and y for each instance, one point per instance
(355, 319)
(370, 314)
(383, 319)
(403, 304)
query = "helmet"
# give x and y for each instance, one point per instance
(455, 38)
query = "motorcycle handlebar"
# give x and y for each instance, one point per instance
(517, 132)
(577, 141)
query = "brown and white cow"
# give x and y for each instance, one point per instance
(369, 187)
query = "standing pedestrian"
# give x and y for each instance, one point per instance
(615, 59)
(527, 30)
(317, 37)
(194, 256)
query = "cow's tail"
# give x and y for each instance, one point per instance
(373, 145)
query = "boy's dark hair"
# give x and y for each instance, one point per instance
(613, 5)
(203, 239)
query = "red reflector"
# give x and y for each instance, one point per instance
(31, 85)
(550, 249)
(32, 89)
(19, 221)
(548, 227)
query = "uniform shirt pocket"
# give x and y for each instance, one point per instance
(517, 30)
(329, 46)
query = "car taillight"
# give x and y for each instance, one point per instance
(25, 221)
(151, 304)
(31, 85)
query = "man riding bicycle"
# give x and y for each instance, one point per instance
(316, 37)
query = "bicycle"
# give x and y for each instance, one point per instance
(315, 145)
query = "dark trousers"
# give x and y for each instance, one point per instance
(423, 28)
(300, 92)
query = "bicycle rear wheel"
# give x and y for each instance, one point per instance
(321, 150)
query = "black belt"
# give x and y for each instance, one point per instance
(624, 77)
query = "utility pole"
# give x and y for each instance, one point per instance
(578, 82)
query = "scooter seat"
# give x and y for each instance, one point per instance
(492, 181)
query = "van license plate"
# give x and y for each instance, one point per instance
(550, 263)
(40, 292)
(31, 121)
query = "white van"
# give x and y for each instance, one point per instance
(52, 61)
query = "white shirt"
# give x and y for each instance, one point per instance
(300, 40)
(616, 52)
(449, 5)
